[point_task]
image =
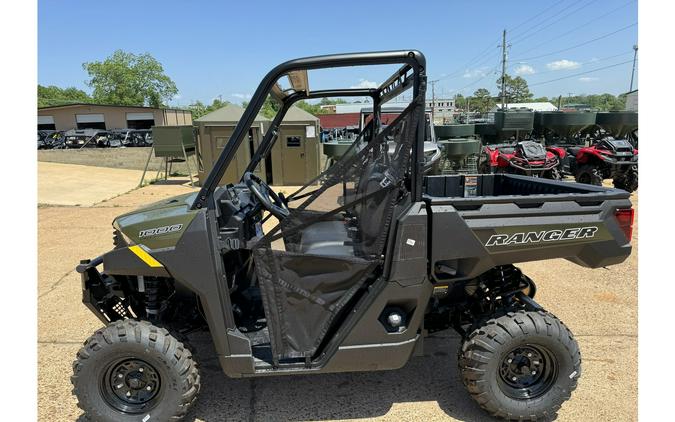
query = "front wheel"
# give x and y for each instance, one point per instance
(589, 175)
(628, 181)
(134, 371)
(523, 365)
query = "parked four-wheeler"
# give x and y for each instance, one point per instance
(607, 158)
(349, 273)
(528, 158)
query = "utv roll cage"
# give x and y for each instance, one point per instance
(412, 73)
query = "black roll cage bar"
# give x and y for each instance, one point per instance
(393, 86)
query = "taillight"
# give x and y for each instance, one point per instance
(625, 218)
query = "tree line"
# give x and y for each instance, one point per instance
(517, 91)
(139, 80)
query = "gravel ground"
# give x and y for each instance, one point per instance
(599, 306)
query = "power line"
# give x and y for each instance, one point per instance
(581, 26)
(515, 27)
(528, 34)
(464, 67)
(491, 72)
(577, 45)
(581, 73)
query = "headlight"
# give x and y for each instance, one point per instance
(120, 240)
(80, 142)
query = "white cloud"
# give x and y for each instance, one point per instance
(587, 79)
(242, 96)
(563, 65)
(524, 69)
(474, 73)
(364, 83)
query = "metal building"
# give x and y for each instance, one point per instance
(295, 159)
(108, 117)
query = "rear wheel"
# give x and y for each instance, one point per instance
(133, 371)
(589, 175)
(522, 365)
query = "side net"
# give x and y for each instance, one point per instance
(312, 263)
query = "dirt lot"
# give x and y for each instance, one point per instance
(600, 307)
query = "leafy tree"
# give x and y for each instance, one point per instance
(130, 79)
(516, 88)
(198, 109)
(269, 108)
(53, 96)
(599, 102)
(482, 101)
(331, 101)
(460, 102)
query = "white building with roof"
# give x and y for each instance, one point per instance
(541, 106)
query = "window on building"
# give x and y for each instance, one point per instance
(293, 141)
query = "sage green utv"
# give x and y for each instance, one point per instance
(348, 273)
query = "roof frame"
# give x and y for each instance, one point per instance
(412, 59)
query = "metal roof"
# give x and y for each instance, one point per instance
(231, 113)
(296, 114)
(107, 105)
(541, 106)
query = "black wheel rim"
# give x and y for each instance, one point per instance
(528, 371)
(131, 386)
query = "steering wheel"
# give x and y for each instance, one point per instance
(266, 196)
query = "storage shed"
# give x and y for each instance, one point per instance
(294, 160)
(297, 156)
(215, 130)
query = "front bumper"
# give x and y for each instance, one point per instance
(98, 290)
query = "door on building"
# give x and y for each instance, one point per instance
(46, 123)
(293, 156)
(90, 121)
(220, 136)
(140, 120)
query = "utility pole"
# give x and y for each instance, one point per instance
(504, 70)
(632, 75)
(433, 99)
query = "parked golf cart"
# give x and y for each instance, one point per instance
(348, 273)
(85, 138)
(49, 139)
(132, 137)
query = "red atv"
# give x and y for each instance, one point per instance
(528, 158)
(606, 158)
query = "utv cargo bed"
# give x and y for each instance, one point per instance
(505, 218)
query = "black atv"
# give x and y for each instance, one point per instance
(349, 273)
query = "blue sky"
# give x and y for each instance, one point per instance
(212, 48)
